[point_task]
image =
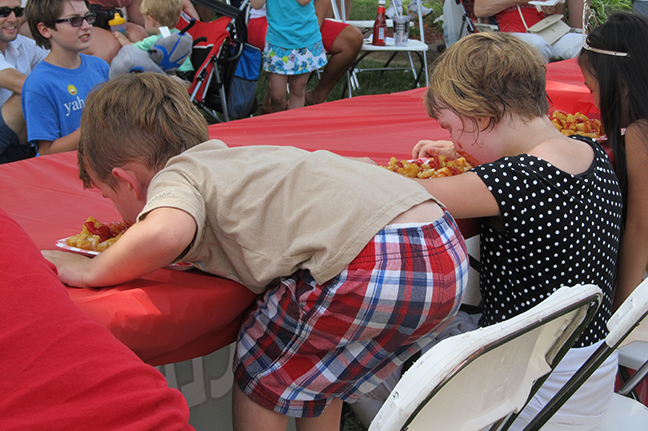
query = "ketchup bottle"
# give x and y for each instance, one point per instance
(380, 26)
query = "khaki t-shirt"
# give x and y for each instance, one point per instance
(264, 212)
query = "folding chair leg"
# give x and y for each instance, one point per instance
(409, 54)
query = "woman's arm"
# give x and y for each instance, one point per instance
(257, 4)
(148, 245)
(486, 8)
(633, 256)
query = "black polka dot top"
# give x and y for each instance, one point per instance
(555, 229)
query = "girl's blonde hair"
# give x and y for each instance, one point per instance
(489, 75)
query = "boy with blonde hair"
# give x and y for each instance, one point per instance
(54, 93)
(358, 268)
(157, 14)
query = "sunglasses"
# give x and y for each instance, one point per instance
(590, 23)
(77, 21)
(6, 11)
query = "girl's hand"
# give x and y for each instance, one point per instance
(427, 148)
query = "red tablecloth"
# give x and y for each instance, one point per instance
(164, 317)
(170, 316)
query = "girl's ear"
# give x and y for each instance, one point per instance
(44, 30)
(483, 122)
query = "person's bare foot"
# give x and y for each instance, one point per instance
(266, 108)
(311, 99)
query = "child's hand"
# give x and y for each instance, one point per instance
(123, 40)
(426, 148)
(71, 267)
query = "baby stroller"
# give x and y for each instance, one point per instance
(226, 68)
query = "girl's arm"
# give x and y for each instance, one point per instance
(465, 196)
(257, 4)
(148, 245)
(633, 256)
(304, 2)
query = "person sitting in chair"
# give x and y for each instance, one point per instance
(515, 16)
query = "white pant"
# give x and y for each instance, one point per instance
(586, 407)
(568, 46)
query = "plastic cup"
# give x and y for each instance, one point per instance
(401, 30)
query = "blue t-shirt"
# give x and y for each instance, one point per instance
(53, 97)
(291, 25)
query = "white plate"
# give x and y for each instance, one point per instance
(62, 243)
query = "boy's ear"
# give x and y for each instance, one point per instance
(44, 30)
(130, 180)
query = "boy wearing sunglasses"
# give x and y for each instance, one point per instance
(18, 57)
(54, 94)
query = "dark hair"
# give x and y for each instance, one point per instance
(47, 12)
(622, 82)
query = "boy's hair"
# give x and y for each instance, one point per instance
(143, 117)
(47, 12)
(489, 75)
(165, 12)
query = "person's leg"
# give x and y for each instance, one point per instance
(343, 42)
(136, 32)
(103, 44)
(328, 420)
(12, 124)
(297, 85)
(277, 91)
(568, 46)
(249, 416)
(13, 117)
(134, 14)
(538, 43)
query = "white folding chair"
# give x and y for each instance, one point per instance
(627, 324)
(633, 356)
(416, 46)
(477, 379)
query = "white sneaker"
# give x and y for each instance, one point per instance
(412, 9)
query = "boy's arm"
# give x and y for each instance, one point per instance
(60, 145)
(148, 245)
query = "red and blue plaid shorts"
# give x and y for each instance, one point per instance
(304, 344)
